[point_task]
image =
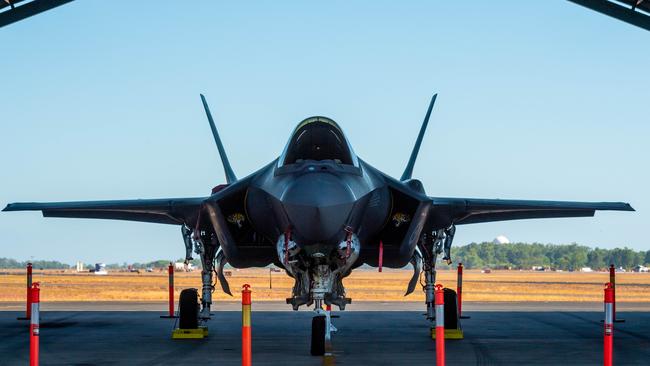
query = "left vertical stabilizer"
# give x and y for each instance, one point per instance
(230, 175)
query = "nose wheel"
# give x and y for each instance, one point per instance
(318, 329)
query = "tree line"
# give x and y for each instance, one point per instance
(12, 263)
(8, 263)
(564, 257)
(474, 255)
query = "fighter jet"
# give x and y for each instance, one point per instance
(318, 211)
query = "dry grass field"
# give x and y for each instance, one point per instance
(361, 285)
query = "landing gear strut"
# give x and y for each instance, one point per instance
(206, 246)
(431, 247)
(208, 255)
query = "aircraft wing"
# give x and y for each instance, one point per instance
(175, 211)
(461, 211)
(163, 211)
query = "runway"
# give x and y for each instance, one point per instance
(372, 334)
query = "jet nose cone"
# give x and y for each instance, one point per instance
(318, 206)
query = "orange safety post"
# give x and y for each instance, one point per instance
(246, 346)
(170, 271)
(28, 307)
(612, 281)
(459, 289)
(171, 289)
(381, 254)
(608, 345)
(440, 325)
(34, 324)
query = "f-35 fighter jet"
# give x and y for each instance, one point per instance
(318, 211)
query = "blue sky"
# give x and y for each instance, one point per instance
(537, 100)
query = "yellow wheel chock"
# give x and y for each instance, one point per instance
(198, 333)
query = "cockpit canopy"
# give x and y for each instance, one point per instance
(318, 139)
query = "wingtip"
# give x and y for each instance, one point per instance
(622, 206)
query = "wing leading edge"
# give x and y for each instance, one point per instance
(163, 211)
(459, 211)
(174, 211)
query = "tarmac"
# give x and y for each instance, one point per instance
(369, 333)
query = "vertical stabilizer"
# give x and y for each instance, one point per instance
(408, 171)
(230, 175)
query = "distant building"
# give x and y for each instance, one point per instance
(80, 266)
(180, 266)
(501, 239)
(586, 269)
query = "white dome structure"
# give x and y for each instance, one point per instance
(501, 239)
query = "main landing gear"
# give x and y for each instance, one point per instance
(206, 245)
(439, 242)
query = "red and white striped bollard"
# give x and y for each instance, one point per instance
(612, 280)
(34, 326)
(608, 337)
(246, 338)
(440, 325)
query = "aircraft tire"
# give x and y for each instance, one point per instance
(188, 312)
(451, 309)
(318, 335)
